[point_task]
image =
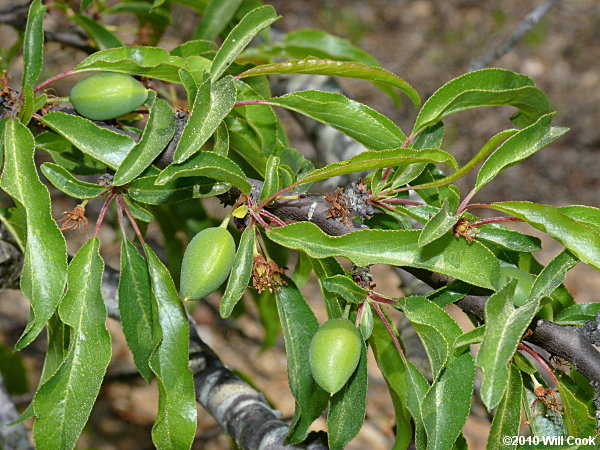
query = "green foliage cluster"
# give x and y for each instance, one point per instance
(231, 135)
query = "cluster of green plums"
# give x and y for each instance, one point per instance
(208, 259)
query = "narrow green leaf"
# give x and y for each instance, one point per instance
(339, 69)
(44, 271)
(196, 47)
(504, 329)
(212, 103)
(104, 145)
(507, 419)
(67, 183)
(553, 274)
(348, 407)
(137, 211)
(346, 288)
(581, 213)
(221, 140)
(33, 44)
(457, 258)
(145, 191)
(578, 314)
(269, 318)
(206, 164)
(136, 307)
(438, 225)
(437, 330)
(63, 403)
(447, 404)
(417, 390)
(97, 32)
(240, 37)
(577, 416)
(363, 124)
(299, 325)
(486, 87)
(240, 275)
(518, 147)
(156, 136)
(581, 239)
(271, 183)
(175, 423)
(188, 82)
(215, 18)
(393, 370)
(475, 336)
(325, 268)
(152, 62)
(509, 239)
(450, 293)
(26, 111)
(370, 160)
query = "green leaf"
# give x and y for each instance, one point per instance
(325, 268)
(137, 211)
(151, 62)
(221, 140)
(271, 183)
(486, 87)
(212, 103)
(240, 37)
(541, 421)
(346, 288)
(450, 293)
(63, 403)
(553, 274)
(577, 417)
(206, 164)
(100, 143)
(507, 419)
(269, 318)
(472, 263)
(437, 330)
(518, 147)
(361, 123)
(188, 82)
(578, 314)
(67, 156)
(393, 370)
(136, 307)
(97, 32)
(44, 271)
(438, 225)
(33, 44)
(196, 47)
(370, 160)
(144, 190)
(475, 336)
(508, 239)
(156, 136)
(67, 183)
(447, 403)
(581, 213)
(299, 325)
(417, 390)
(348, 407)
(504, 329)
(175, 424)
(216, 16)
(240, 275)
(581, 239)
(339, 69)
(26, 111)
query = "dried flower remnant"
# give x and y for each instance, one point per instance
(74, 220)
(339, 207)
(546, 396)
(464, 229)
(266, 274)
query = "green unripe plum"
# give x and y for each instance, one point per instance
(207, 261)
(105, 96)
(334, 353)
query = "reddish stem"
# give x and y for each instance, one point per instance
(401, 201)
(276, 194)
(131, 219)
(477, 205)
(53, 79)
(103, 213)
(539, 359)
(359, 313)
(378, 298)
(389, 329)
(466, 201)
(273, 217)
(389, 169)
(260, 220)
(120, 216)
(382, 205)
(496, 220)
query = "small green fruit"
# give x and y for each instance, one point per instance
(207, 261)
(334, 353)
(104, 96)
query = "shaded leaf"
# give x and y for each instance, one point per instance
(240, 37)
(67, 183)
(215, 18)
(507, 419)
(240, 274)
(578, 314)
(63, 403)
(299, 325)
(271, 183)
(44, 271)
(553, 274)
(438, 225)
(325, 268)
(508, 239)
(581, 239)
(346, 287)
(175, 424)
(475, 336)
(472, 263)
(97, 32)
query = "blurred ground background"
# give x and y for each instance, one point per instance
(427, 43)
